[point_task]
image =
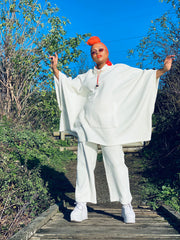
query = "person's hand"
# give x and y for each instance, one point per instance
(167, 66)
(168, 62)
(54, 61)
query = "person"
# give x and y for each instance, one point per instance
(110, 105)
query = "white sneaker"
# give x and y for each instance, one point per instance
(79, 213)
(128, 213)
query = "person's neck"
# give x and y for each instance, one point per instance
(101, 65)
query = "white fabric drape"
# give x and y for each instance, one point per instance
(116, 173)
(119, 111)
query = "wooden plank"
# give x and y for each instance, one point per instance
(55, 237)
(94, 208)
(71, 148)
(63, 135)
(106, 223)
(105, 227)
(107, 216)
(108, 236)
(56, 134)
(126, 149)
(135, 237)
(115, 230)
(117, 211)
(120, 226)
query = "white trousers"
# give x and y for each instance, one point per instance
(116, 173)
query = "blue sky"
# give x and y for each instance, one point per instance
(119, 24)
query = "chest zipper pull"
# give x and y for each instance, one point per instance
(98, 75)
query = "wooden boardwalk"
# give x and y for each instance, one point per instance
(106, 223)
(105, 220)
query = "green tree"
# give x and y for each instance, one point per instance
(29, 33)
(161, 40)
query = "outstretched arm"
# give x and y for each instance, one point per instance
(54, 61)
(167, 66)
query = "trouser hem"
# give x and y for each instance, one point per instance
(93, 202)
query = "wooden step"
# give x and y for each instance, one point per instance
(126, 149)
(106, 223)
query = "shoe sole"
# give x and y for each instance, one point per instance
(75, 221)
(131, 222)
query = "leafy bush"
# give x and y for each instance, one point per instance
(31, 174)
(156, 195)
(43, 111)
(162, 163)
(23, 195)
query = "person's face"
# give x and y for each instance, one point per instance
(99, 53)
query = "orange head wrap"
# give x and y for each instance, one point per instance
(94, 40)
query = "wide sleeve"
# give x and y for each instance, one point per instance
(70, 98)
(139, 89)
(73, 86)
(136, 104)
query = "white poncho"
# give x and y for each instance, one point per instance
(119, 111)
